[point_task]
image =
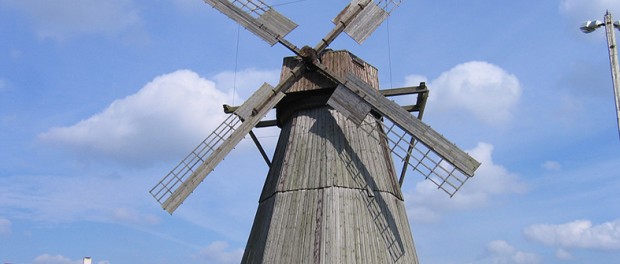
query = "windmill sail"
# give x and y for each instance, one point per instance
(433, 155)
(364, 23)
(172, 190)
(257, 17)
(418, 156)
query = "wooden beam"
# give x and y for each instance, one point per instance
(411, 108)
(260, 148)
(405, 90)
(420, 89)
(267, 123)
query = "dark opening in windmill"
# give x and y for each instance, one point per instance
(332, 194)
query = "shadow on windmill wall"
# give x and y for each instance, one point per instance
(330, 196)
(370, 193)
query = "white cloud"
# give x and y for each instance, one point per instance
(415, 79)
(563, 254)
(500, 247)
(219, 253)
(60, 19)
(247, 81)
(490, 177)
(577, 234)
(485, 90)
(427, 203)
(552, 165)
(165, 119)
(54, 259)
(5, 227)
(503, 253)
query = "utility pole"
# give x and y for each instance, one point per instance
(609, 24)
(613, 60)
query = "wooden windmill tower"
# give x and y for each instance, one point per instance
(332, 194)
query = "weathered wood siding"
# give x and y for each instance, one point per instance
(331, 195)
(331, 225)
(320, 148)
(341, 62)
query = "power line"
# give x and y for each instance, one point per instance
(387, 23)
(236, 65)
(288, 3)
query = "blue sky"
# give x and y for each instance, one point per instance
(100, 99)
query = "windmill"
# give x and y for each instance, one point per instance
(331, 194)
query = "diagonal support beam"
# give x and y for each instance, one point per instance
(421, 103)
(260, 148)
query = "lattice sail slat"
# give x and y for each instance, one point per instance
(257, 17)
(423, 148)
(365, 22)
(172, 190)
(173, 180)
(414, 127)
(421, 159)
